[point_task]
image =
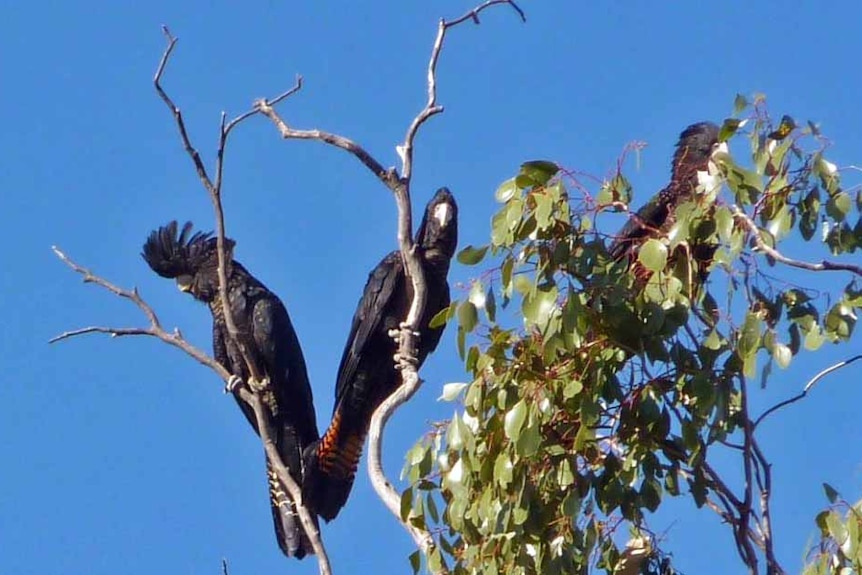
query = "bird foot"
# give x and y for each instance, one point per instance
(403, 326)
(258, 386)
(406, 326)
(402, 361)
(233, 384)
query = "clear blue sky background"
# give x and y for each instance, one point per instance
(123, 456)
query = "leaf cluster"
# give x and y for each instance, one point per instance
(600, 386)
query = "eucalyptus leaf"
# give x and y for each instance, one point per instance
(471, 256)
(514, 420)
(653, 255)
(506, 191)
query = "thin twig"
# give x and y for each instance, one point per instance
(431, 107)
(155, 328)
(112, 331)
(808, 387)
(178, 115)
(762, 246)
(772, 563)
(89, 277)
(718, 485)
(213, 189)
(746, 510)
(735, 512)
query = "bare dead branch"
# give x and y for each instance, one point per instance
(155, 328)
(474, 13)
(765, 510)
(407, 342)
(284, 475)
(405, 150)
(399, 185)
(177, 113)
(808, 387)
(388, 176)
(176, 339)
(824, 265)
(263, 422)
(287, 93)
(112, 331)
(214, 190)
(89, 277)
(387, 493)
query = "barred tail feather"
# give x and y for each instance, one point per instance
(330, 468)
(288, 528)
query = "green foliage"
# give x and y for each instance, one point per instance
(839, 549)
(600, 387)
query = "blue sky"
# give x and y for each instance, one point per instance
(123, 455)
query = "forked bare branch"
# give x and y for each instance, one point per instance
(213, 188)
(176, 339)
(214, 191)
(155, 328)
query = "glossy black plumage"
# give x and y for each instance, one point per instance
(267, 334)
(367, 373)
(693, 151)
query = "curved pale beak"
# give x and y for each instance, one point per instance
(184, 283)
(441, 214)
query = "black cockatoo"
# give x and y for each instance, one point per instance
(696, 145)
(367, 374)
(267, 334)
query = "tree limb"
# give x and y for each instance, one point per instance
(765, 510)
(155, 328)
(808, 386)
(410, 381)
(213, 189)
(247, 395)
(388, 176)
(824, 265)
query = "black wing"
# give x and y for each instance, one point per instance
(693, 151)
(279, 350)
(649, 218)
(375, 315)
(290, 406)
(366, 376)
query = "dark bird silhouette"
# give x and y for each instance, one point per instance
(696, 145)
(367, 374)
(266, 333)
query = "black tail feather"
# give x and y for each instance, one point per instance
(330, 468)
(289, 533)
